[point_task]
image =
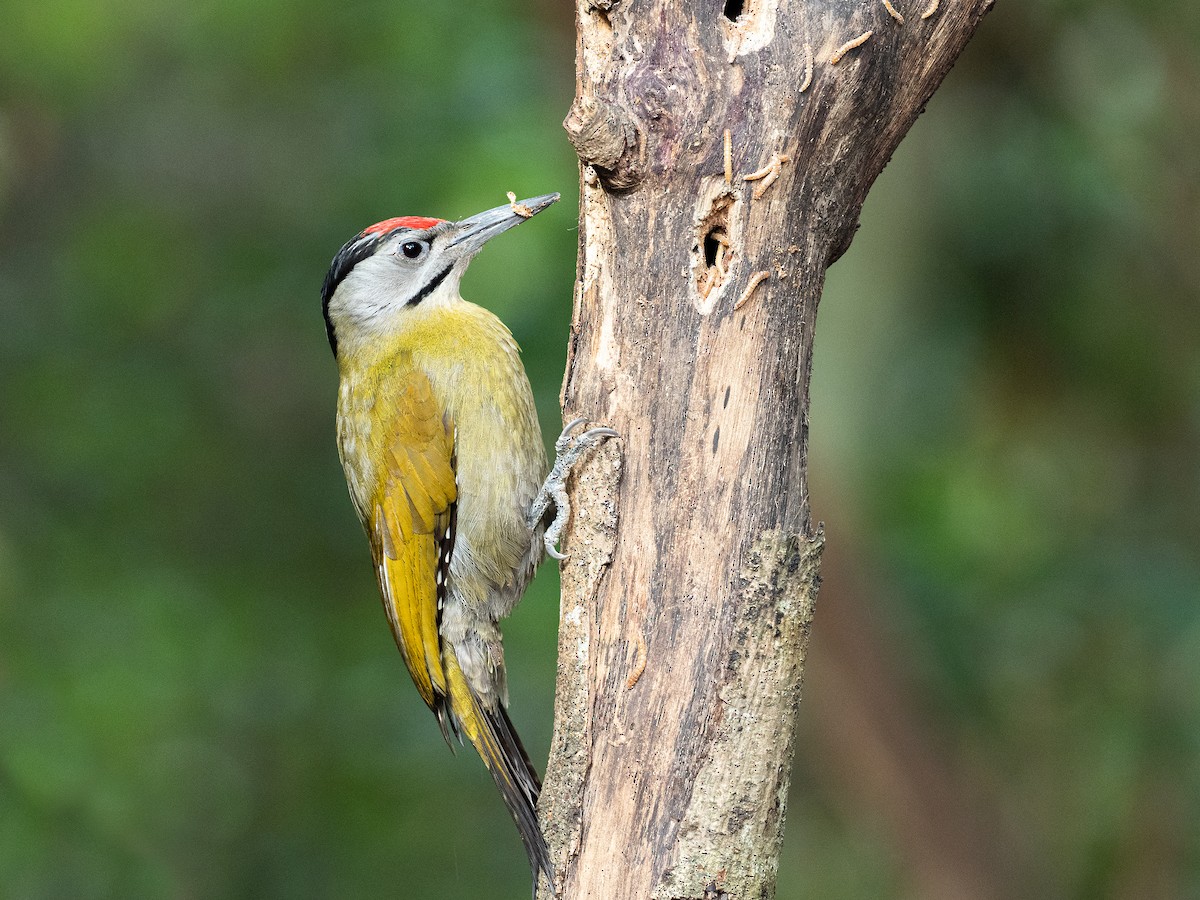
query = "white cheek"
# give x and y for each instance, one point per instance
(374, 297)
(372, 294)
(372, 290)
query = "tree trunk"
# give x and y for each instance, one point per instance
(726, 149)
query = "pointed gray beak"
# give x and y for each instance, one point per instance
(472, 233)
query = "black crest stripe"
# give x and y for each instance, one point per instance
(352, 253)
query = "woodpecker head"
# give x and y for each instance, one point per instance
(398, 265)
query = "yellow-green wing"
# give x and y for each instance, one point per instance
(411, 524)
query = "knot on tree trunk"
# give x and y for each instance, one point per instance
(607, 139)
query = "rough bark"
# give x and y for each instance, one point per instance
(688, 595)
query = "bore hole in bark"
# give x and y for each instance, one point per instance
(714, 249)
(733, 9)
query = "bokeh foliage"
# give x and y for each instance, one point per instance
(198, 693)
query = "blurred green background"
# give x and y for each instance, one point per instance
(199, 697)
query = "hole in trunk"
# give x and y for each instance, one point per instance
(733, 9)
(712, 246)
(713, 250)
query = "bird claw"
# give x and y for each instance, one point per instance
(568, 450)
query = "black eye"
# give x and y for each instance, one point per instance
(411, 249)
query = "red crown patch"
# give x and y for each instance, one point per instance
(417, 223)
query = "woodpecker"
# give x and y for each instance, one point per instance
(439, 439)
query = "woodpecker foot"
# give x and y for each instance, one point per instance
(567, 451)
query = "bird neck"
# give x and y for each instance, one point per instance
(451, 332)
